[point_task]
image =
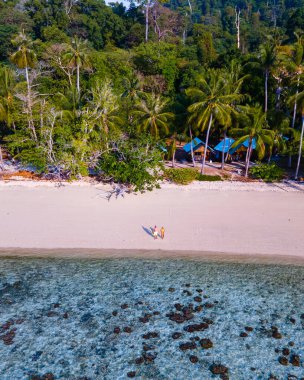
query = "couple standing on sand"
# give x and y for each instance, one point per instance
(155, 233)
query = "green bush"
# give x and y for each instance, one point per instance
(267, 172)
(187, 175)
(181, 176)
(134, 161)
(204, 177)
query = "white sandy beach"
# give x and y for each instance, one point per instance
(223, 217)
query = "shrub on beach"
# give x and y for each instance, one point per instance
(135, 162)
(186, 175)
(181, 176)
(267, 172)
(211, 178)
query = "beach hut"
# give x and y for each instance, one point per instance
(242, 147)
(226, 144)
(198, 147)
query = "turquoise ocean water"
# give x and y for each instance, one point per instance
(150, 319)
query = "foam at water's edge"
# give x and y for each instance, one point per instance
(90, 253)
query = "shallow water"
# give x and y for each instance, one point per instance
(56, 316)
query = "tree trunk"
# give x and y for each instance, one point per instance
(269, 157)
(147, 21)
(300, 149)
(274, 14)
(294, 117)
(173, 158)
(206, 145)
(248, 156)
(78, 78)
(70, 80)
(1, 159)
(191, 147)
(27, 80)
(223, 152)
(184, 37)
(29, 106)
(295, 105)
(266, 90)
(237, 24)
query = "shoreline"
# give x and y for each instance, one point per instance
(114, 254)
(226, 185)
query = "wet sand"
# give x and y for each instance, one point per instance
(95, 254)
(198, 223)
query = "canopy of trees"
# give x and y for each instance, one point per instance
(84, 84)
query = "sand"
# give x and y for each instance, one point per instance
(255, 220)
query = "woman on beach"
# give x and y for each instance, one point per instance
(155, 233)
(162, 233)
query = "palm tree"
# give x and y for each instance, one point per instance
(25, 58)
(294, 63)
(132, 90)
(2, 118)
(6, 100)
(234, 82)
(256, 130)
(299, 98)
(103, 109)
(6, 95)
(280, 127)
(151, 115)
(77, 57)
(212, 101)
(267, 59)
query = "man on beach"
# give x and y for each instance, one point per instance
(155, 233)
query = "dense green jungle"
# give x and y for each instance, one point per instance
(113, 89)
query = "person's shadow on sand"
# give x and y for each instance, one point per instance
(148, 231)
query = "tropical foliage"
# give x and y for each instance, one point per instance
(267, 172)
(87, 87)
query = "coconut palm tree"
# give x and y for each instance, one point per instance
(76, 56)
(280, 127)
(6, 95)
(256, 130)
(151, 116)
(103, 109)
(6, 100)
(234, 82)
(2, 118)
(267, 59)
(212, 100)
(294, 63)
(25, 58)
(132, 91)
(299, 98)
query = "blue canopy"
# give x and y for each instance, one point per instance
(245, 144)
(228, 143)
(196, 143)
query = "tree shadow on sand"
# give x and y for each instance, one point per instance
(148, 231)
